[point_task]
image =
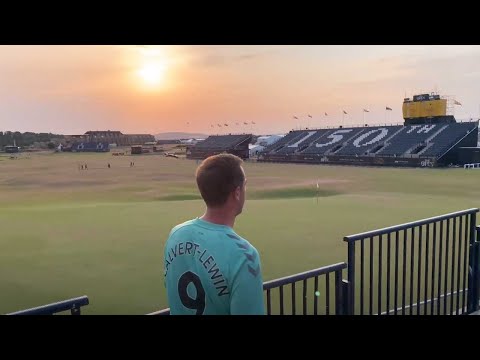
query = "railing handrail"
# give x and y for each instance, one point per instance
(409, 225)
(161, 312)
(71, 304)
(429, 301)
(303, 276)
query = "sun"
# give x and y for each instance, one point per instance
(152, 73)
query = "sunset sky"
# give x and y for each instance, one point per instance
(153, 89)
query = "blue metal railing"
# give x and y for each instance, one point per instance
(331, 298)
(413, 265)
(72, 305)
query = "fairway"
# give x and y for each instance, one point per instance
(100, 232)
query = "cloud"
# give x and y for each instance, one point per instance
(217, 56)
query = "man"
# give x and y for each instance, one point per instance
(209, 269)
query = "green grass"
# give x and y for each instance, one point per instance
(291, 193)
(67, 233)
(180, 197)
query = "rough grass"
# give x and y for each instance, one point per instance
(101, 232)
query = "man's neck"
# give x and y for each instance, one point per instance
(219, 216)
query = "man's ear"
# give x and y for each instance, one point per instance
(237, 193)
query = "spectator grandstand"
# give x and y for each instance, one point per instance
(90, 146)
(233, 144)
(407, 145)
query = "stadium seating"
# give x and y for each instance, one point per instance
(369, 140)
(222, 141)
(410, 137)
(287, 139)
(233, 144)
(302, 141)
(399, 141)
(447, 139)
(332, 141)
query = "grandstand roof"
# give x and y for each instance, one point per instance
(223, 141)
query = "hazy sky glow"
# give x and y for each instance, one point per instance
(152, 89)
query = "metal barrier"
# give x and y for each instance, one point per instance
(471, 166)
(320, 302)
(72, 305)
(445, 251)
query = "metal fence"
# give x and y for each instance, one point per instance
(73, 305)
(423, 266)
(324, 297)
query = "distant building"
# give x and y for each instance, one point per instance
(254, 150)
(190, 141)
(90, 146)
(232, 144)
(136, 149)
(112, 137)
(268, 140)
(168, 142)
(12, 149)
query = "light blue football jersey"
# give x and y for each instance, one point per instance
(211, 270)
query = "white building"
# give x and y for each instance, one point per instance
(268, 140)
(254, 150)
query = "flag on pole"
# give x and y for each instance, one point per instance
(456, 102)
(365, 110)
(387, 108)
(345, 112)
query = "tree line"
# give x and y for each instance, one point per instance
(27, 138)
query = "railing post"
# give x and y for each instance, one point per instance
(351, 278)
(473, 268)
(345, 298)
(476, 278)
(75, 310)
(339, 304)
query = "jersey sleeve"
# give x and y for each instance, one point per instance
(247, 286)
